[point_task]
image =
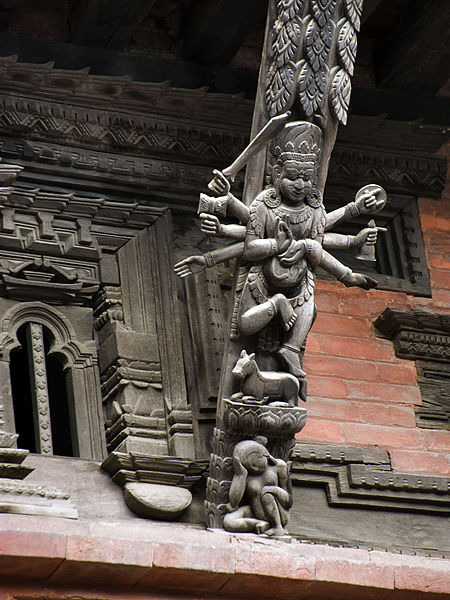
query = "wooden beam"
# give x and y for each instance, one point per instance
(415, 55)
(107, 23)
(214, 30)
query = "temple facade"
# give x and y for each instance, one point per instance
(112, 120)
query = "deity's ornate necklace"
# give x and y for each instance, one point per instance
(293, 216)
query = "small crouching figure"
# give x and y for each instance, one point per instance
(260, 493)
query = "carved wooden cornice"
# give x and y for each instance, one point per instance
(75, 124)
(364, 478)
(418, 333)
(401, 172)
(424, 336)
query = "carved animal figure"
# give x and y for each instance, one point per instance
(261, 384)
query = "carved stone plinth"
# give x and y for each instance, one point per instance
(157, 486)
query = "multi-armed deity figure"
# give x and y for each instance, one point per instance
(283, 236)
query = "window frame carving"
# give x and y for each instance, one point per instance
(79, 358)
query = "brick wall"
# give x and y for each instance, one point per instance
(359, 392)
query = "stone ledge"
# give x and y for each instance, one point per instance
(174, 558)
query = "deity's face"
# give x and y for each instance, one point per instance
(295, 181)
(257, 461)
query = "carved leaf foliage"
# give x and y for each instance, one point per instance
(353, 10)
(288, 9)
(311, 87)
(318, 42)
(346, 47)
(286, 42)
(285, 46)
(341, 88)
(323, 10)
(280, 88)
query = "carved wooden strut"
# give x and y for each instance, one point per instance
(283, 235)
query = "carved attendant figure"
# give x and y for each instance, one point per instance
(260, 493)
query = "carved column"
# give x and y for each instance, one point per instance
(149, 419)
(307, 62)
(39, 390)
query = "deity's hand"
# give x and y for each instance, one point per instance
(210, 224)
(283, 236)
(190, 265)
(293, 253)
(368, 236)
(360, 280)
(371, 200)
(220, 184)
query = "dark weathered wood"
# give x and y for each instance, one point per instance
(214, 30)
(408, 60)
(107, 23)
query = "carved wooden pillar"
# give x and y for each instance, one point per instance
(149, 419)
(39, 388)
(307, 62)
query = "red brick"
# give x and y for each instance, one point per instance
(392, 415)
(255, 586)
(313, 343)
(342, 325)
(436, 241)
(369, 307)
(435, 223)
(404, 374)
(183, 581)
(23, 543)
(338, 410)
(435, 578)
(101, 560)
(30, 555)
(328, 303)
(253, 558)
(340, 367)
(414, 461)
(109, 550)
(416, 573)
(376, 349)
(321, 431)
(190, 557)
(440, 279)
(441, 299)
(383, 392)
(355, 572)
(361, 412)
(434, 439)
(378, 435)
(438, 260)
(326, 387)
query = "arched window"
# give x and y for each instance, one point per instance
(43, 413)
(49, 376)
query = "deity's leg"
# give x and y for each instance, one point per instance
(257, 317)
(272, 510)
(243, 521)
(295, 338)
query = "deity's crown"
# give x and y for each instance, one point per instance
(299, 141)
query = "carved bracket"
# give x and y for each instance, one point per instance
(424, 336)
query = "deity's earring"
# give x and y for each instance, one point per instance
(314, 198)
(273, 198)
